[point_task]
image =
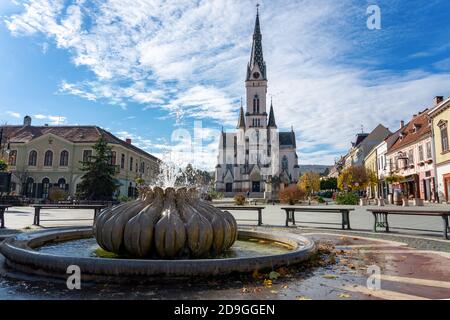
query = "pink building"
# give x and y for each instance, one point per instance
(411, 158)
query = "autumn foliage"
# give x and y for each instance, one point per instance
(291, 195)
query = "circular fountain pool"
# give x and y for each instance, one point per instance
(51, 252)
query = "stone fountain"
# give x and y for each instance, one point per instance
(167, 224)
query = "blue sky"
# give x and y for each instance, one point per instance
(144, 68)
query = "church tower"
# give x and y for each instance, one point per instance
(256, 82)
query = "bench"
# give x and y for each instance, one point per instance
(245, 208)
(344, 211)
(37, 210)
(381, 217)
(3, 207)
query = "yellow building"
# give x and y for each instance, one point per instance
(44, 156)
(440, 116)
(370, 163)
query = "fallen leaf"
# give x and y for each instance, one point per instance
(343, 295)
(273, 291)
(303, 298)
(267, 283)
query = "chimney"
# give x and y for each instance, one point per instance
(437, 100)
(27, 121)
(402, 124)
(128, 140)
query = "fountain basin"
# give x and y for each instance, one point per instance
(21, 253)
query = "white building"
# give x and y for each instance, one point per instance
(256, 153)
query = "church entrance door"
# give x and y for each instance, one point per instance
(228, 187)
(256, 186)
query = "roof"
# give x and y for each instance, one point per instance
(271, 122)
(440, 107)
(287, 138)
(410, 134)
(241, 122)
(74, 134)
(256, 56)
(360, 138)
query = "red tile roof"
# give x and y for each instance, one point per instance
(75, 134)
(410, 134)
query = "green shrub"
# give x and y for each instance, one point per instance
(347, 198)
(320, 200)
(239, 199)
(215, 195)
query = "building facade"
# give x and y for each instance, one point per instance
(256, 158)
(440, 116)
(41, 157)
(371, 164)
(410, 157)
(364, 144)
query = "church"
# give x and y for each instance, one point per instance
(256, 158)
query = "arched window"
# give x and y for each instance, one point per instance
(62, 183)
(64, 158)
(45, 187)
(48, 158)
(284, 163)
(29, 191)
(256, 104)
(32, 158)
(113, 158)
(122, 162)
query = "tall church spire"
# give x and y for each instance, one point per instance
(241, 121)
(271, 122)
(256, 58)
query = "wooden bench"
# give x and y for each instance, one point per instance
(245, 208)
(3, 207)
(37, 210)
(344, 211)
(381, 217)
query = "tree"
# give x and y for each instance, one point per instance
(328, 184)
(98, 183)
(353, 178)
(291, 194)
(309, 182)
(3, 165)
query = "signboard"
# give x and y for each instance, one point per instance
(5, 182)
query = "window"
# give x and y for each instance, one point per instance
(29, 187)
(429, 150)
(113, 158)
(64, 158)
(131, 163)
(87, 154)
(32, 158)
(48, 158)
(136, 167)
(256, 104)
(45, 187)
(142, 169)
(284, 163)
(411, 156)
(122, 161)
(444, 138)
(62, 183)
(420, 153)
(13, 157)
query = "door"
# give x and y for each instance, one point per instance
(256, 186)
(228, 187)
(447, 188)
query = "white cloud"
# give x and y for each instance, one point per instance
(189, 58)
(52, 120)
(13, 114)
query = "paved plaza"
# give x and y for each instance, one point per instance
(21, 218)
(413, 259)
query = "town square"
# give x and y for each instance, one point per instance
(224, 151)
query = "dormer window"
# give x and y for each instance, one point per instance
(416, 127)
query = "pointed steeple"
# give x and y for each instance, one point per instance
(241, 121)
(271, 123)
(256, 57)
